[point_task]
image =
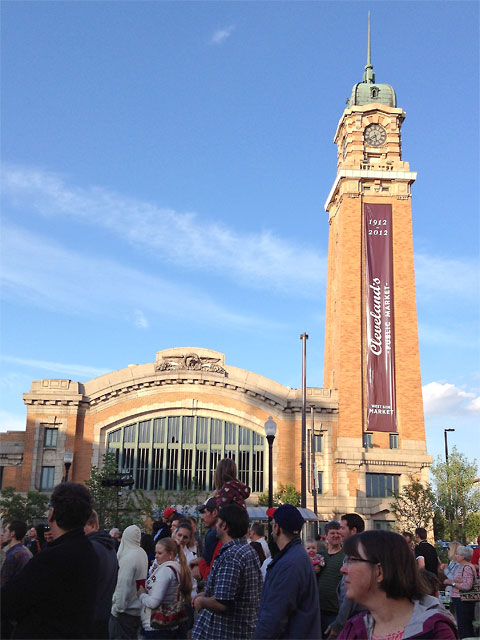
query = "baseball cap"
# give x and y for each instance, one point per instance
(288, 517)
(209, 505)
(169, 511)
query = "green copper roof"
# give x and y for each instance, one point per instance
(369, 91)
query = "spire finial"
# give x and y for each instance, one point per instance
(369, 75)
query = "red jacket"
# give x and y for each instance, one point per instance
(204, 567)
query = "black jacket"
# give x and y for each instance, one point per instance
(104, 546)
(54, 595)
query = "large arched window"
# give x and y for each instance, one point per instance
(181, 452)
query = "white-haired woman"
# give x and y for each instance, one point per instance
(463, 580)
(452, 567)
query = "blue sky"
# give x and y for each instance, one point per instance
(165, 166)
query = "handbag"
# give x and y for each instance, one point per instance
(473, 594)
(170, 616)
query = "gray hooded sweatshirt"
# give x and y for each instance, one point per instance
(132, 566)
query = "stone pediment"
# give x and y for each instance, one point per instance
(187, 359)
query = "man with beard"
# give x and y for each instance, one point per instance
(228, 607)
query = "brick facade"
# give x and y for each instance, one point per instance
(84, 413)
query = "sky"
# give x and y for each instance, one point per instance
(165, 169)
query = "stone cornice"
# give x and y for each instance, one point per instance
(324, 401)
(362, 174)
(423, 462)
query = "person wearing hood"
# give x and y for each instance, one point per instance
(104, 546)
(132, 566)
(381, 574)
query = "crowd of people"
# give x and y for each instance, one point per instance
(73, 580)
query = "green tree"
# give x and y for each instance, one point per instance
(28, 508)
(440, 524)
(286, 494)
(413, 506)
(104, 498)
(472, 527)
(456, 493)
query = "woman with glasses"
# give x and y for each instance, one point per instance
(381, 574)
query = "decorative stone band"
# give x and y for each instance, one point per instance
(188, 378)
(409, 176)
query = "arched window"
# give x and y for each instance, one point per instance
(181, 452)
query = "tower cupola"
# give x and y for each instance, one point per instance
(368, 91)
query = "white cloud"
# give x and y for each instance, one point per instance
(75, 370)
(257, 260)
(38, 271)
(474, 405)
(11, 421)
(220, 35)
(140, 320)
(447, 399)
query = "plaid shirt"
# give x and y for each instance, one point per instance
(235, 579)
(16, 558)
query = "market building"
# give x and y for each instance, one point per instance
(170, 421)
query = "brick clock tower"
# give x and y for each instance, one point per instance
(371, 340)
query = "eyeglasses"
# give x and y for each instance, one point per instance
(352, 560)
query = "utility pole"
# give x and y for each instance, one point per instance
(303, 464)
(449, 490)
(312, 451)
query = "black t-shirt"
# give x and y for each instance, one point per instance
(429, 554)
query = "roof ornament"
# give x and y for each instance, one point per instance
(368, 91)
(369, 75)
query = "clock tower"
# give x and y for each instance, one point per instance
(371, 339)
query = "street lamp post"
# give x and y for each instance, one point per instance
(450, 508)
(303, 463)
(314, 433)
(119, 479)
(270, 431)
(445, 431)
(67, 461)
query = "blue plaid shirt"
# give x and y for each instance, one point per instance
(235, 580)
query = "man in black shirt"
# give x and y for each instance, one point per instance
(425, 553)
(54, 594)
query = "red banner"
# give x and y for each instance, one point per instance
(381, 414)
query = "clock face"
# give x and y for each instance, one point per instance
(375, 135)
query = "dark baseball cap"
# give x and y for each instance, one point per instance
(288, 517)
(210, 505)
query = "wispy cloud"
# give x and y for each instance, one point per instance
(220, 35)
(257, 260)
(76, 370)
(438, 276)
(40, 272)
(447, 399)
(140, 320)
